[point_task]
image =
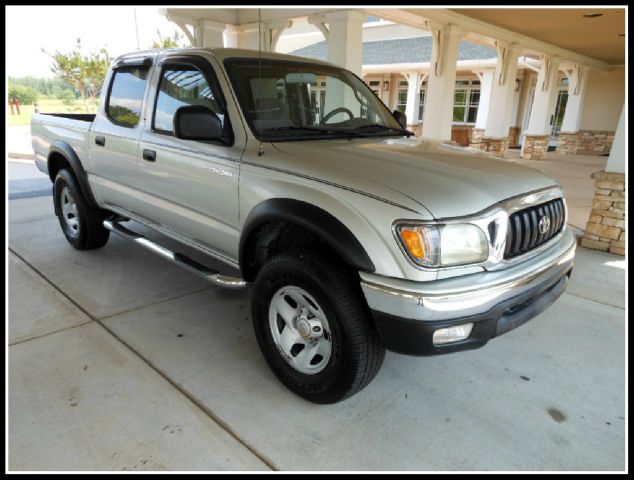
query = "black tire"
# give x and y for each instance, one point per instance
(89, 233)
(356, 353)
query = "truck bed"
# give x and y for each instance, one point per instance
(51, 128)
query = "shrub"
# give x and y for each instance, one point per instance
(67, 97)
(26, 95)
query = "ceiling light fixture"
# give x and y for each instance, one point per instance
(592, 15)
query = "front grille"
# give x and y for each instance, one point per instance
(524, 227)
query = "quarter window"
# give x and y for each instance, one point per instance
(182, 86)
(126, 96)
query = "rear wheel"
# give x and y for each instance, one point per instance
(313, 328)
(81, 224)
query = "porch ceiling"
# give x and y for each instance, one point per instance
(564, 27)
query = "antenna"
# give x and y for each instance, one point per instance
(261, 149)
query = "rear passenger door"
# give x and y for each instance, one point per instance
(189, 186)
(115, 133)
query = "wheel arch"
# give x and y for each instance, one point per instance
(308, 217)
(61, 155)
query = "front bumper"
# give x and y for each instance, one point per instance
(408, 313)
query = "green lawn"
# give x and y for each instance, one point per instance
(47, 105)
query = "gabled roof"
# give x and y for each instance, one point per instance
(401, 50)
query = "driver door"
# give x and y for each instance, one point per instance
(190, 187)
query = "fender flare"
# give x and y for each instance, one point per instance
(313, 219)
(66, 151)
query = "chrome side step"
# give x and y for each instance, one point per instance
(178, 258)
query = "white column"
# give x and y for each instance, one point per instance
(232, 36)
(253, 36)
(414, 81)
(345, 47)
(209, 34)
(616, 160)
(545, 97)
(577, 81)
(502, 91)
(345, 39)
(486, 84)
(441, 82)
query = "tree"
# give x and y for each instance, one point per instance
(175, 41)
(26, 95)
(84, 72)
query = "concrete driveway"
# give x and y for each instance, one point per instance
(119, 360)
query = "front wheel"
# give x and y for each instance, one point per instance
(313, 328)
(81, 224)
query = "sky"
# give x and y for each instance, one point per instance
(31, 28)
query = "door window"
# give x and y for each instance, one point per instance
(182, 86)
(125, 98)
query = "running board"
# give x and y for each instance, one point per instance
(178, 258)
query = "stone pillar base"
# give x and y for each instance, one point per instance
(599, 141)
(535, 146)
(605, 229)
(417, 128)
(477, 134)
(514, 136)
(568, 143)
(495, 146)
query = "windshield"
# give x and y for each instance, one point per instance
(289, 100)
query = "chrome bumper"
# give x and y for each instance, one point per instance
(469, 295)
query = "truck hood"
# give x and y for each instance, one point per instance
(446, 180)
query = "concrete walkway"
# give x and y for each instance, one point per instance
(19, 141)
(119, 360)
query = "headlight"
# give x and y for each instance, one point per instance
(441, 245)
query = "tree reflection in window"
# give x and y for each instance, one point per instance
(126, 95)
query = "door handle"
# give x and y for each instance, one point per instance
(149, 155)
(100, 140)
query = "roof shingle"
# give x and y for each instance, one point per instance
(401, 50)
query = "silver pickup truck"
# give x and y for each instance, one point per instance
(354, 235)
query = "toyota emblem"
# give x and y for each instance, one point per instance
(544, 225)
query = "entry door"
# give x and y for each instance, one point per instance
(558, 117)
(114, 135)
(189, 186)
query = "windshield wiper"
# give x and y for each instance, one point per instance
(312, 128)
(384, 127)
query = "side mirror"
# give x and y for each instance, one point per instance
(195, 122)
(400, 117)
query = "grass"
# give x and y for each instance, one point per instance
(47, 105)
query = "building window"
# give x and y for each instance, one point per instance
(402, 98)
(401, 102)
(421, 100)
(375, 86)
(466, 100)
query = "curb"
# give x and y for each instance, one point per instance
(24, 156)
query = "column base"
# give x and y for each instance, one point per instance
(514, 136)
(494, 146)
(535, 146)
(605, 229)
(568, 143)
(417, 128)
(477, 134)
(598, 141)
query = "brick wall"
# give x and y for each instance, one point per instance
(535, 146)
(605, 229)
(595, 140)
